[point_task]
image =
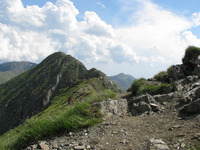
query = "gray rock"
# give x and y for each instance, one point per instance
(157, 144)
(43, 146)
(140, 108)
(113, 107)
(163, 98)
(193, 107)
(154, 107)
(79, 147)
(146, 98)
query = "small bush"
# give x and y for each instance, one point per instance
(136, 86)
(191, 53)
(162, 76)
(155, 89)
(142, 86)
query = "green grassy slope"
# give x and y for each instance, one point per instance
(59, 116)
(41, 94)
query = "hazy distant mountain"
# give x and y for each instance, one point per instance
(123, 81)
(11, 69)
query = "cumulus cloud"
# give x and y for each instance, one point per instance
(34, 32)
(155, 36)
(196, 18)
(156, 33)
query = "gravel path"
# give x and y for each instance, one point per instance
(131, 132)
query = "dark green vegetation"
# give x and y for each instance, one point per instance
(123, 81)
(162, 77)
(158, 85)
(143, 86)
(12, 69)
(41, 94)
(191, 53)
(190, 59)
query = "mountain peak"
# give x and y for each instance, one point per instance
(32, 91)
(123, 81)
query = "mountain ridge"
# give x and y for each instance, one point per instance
(32, 91)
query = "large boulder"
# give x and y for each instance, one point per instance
(193, 107)
(142, 104)
(176, 72)
(111, 107)
(140, 108)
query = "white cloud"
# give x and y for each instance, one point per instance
(17, 45)
(94, 25)
(196, 18)
(191, 39)
(155, 38)
(155, 33)
(33, 33)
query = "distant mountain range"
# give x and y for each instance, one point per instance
(11, 69)
(123, 81)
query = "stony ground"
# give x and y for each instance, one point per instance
(132, 132)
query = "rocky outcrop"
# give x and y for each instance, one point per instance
(187, 93)
(143, 104)
(113, 107)
(190, 65)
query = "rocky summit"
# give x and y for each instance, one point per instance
(31, 92)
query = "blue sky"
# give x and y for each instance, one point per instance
(137, 37)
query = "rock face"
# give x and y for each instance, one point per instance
(32, 91)
(113, 107)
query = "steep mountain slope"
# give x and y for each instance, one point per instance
(32, 92)
(11, 69)
(123, 81)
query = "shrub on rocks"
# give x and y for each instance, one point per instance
(162, 76)
(142, 86)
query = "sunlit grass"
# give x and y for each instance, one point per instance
(58, 118)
